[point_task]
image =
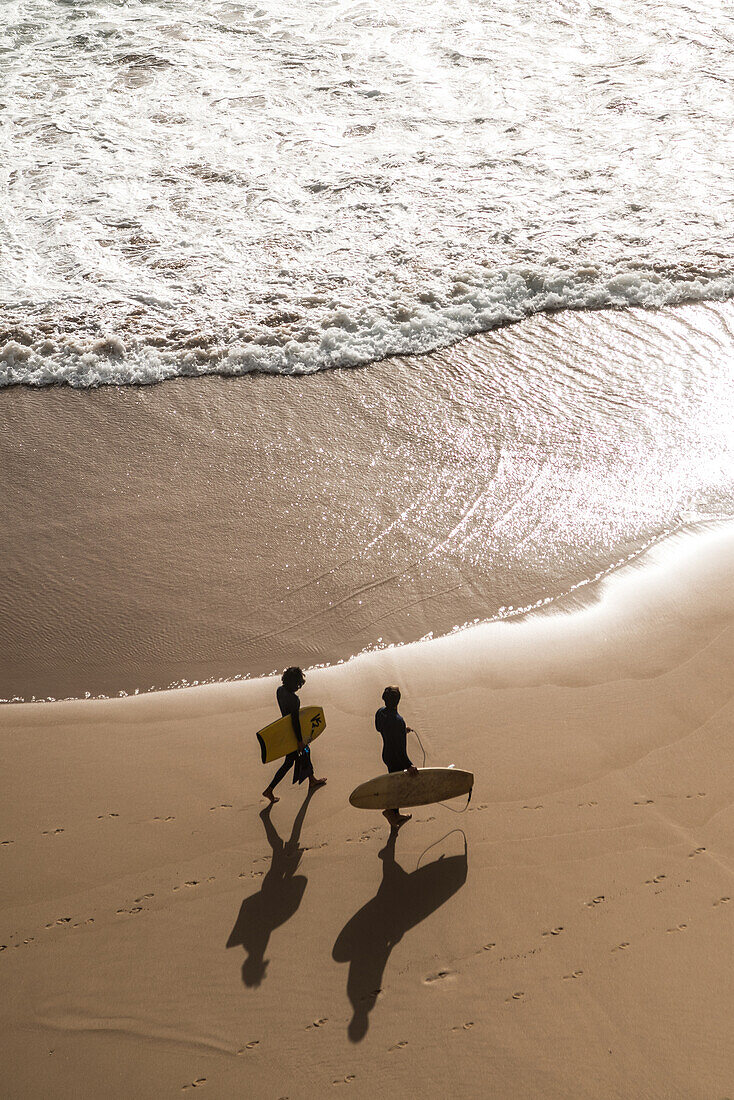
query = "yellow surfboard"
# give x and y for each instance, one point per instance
(278, 739)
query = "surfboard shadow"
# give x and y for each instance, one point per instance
(276, 901)
(402, 901)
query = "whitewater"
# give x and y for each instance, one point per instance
(194, 188)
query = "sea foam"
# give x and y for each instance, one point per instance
(228, 187)
(341, 339)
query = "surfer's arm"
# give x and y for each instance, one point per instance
(296, 720)
(289, 703)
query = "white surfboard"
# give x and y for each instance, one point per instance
(402, 789)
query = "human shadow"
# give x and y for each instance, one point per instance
(275, 902)
(402, 901)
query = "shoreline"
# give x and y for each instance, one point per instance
(214, 528)
(564, 602)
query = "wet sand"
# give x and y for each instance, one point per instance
(569, 935)
(215, 527)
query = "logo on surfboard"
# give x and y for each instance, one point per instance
(316, 721)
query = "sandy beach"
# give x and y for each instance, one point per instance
(570, 935)
(397, 344)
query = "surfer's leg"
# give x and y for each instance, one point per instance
(284, 768)
(395, 817)
(313, 782)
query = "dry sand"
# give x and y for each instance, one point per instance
(568, 936)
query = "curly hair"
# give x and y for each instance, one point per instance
(293, 678)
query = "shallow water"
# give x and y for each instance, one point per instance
(217, 186)
(223, 527)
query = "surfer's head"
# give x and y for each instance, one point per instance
(293, 678)
(391, 697)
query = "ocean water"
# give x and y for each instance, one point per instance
(209, 188)
(200, 186)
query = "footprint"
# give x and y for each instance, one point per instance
(722, 901)
(570, 977)
(132, 909)
(620, 947)
(696, 852)
(100, 816)
(437, 976)
(700, 794)
(538, 807)
(515, 996)
(645, 802)
(195, 1084)
(658, 878)
(61, 920)
(221, 806)
(594, 901)
(343, 1080)
(464, 1027)
(7, 842)
(318, 1023)
(51, 832)
(554, 931)
(170, 817)
(582, 804)
(402, 1043)
(678, 928)
(489, 946)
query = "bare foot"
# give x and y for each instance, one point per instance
(314, 783)
(395, 818)
(268, 793)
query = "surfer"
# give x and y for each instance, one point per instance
(292, 681)
(394, 731)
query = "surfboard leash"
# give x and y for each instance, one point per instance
(453, 811)
(422, 749)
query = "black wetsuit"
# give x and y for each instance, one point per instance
(289, 703)
(394, 732)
